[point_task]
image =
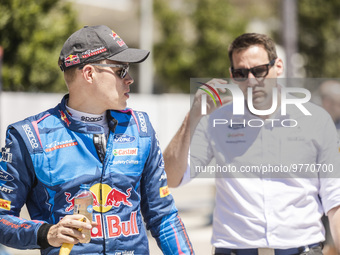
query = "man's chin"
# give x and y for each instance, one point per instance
(261, 105)
(258, 102)
(119, 107)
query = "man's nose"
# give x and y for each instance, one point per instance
(128, 80)
(252, 80)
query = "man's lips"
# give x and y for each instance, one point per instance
(257, 93)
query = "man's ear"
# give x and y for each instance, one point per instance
(279, 67)
(88, 72)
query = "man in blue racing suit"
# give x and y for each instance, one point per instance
(89, 138)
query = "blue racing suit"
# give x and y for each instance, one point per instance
(48, 156)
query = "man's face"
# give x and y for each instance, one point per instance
(262, 87)
(112, 90)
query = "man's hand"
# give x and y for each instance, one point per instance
(195, 111)
(176, 153)
(66, 230)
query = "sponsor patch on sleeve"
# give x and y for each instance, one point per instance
(164, 191)
(5, 204)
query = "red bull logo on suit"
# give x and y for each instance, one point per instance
(115, 226)
(104, 199)
(116, 197)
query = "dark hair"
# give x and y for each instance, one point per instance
(249, 39)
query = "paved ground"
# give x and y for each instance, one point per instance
(195, 202)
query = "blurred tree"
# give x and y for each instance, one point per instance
(194, 41)
(32, 33)
(319, 37)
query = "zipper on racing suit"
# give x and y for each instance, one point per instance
(100, 143)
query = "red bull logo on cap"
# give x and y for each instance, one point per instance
(117, 39)
(72, 60)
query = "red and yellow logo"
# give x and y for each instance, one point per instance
(5, 204)
(104, 198)
(117, 39)
(72, 60)
(164, 191)
(64, 118)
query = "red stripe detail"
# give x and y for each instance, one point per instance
(35, 126)
(180, 252)
(125, 111)
(133, 115)
(61, 146)
(186, 236)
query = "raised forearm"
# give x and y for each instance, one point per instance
(176, 154)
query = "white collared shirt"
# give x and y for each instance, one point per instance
(277, 210)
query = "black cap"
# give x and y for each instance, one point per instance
(94, 43)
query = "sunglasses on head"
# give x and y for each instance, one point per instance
(259, 72)
(121, 73)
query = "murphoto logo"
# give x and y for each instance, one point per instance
(280, 96)
(277, 128)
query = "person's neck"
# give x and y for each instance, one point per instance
(85, 116)
(82, 103)
(85, 108)
(99, 119)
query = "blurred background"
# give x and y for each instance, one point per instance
(187, 39)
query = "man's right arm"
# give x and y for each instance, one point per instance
(15, 183)
(177, 152)
(17, 178)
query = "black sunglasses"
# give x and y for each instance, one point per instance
(261, 71)
(121, 73)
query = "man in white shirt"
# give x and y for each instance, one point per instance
(276, 172)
